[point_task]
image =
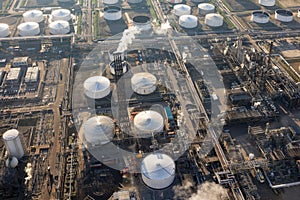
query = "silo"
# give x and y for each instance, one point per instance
(143, 83)
(148, 121)
(158, 170)
(214, 20)
(267, 2)
(33, 16)
(4, 30)
(142, 22)
(61, 14)
(109, 2)
(188, 21)
(59, 27)
(174, 1)
(206, 8)
(260, 17)
(11, 162)
(98, 130)
(12, 140)
(96, 87)
(284, 15)
(134, 1)
(182, 9)
(28, 29)
(112, 13)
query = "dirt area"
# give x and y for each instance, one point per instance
(296, 66)
(289, 3)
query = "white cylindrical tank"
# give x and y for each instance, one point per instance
(13, 143)
(33, 16)
(59, 27)
(28, 29)
(174, 1)
(214, 20)
(148, 122)
(112, 13)
(284, 15)
(206, 8)
(134, 1)
(109, 2)
(267, 2)
(96, 87)
(143, 83)
(188, 21)
(11, 162)
(182, 9)
(142, 22)
(4, 30)
(158, 170)
(260, 17)
(61, 14)
(98, 130)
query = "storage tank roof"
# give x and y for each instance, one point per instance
(143, 80)
(182, 7)
(33, 14)
(10, 134)
(158, 166)
(149, 121)
(214, 16)
(11, 162)
(60, 24)
(28, 26)
(206, 6)
(97, 84)
(98, 130)
(3, 26)
(61, 14)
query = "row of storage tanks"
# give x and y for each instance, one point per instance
(60, 23)
(158, 170)
(281, 15)
(186, 20)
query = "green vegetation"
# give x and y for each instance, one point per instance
(96, 24)
(23, 3)
(5, 6)
(79, 21)
(80, 2)
(152, 11)
(94, 2)
(226, 19)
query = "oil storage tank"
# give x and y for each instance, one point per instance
(174, 1)
(59, 27)
(61, 14)
(148, 121)
(143, 83)
(206, 8)
(4, 30)
(214, 20)
(158, 171)
(188, 21)
(182, 9)
(142, 22)
(98, 130)
(134, 1)
(284, 15)
(13, 143)
(112, 13)
(96, 87)
(267, 2)
(33, 16)
(109, 2)
(28, 29)
(260, 17)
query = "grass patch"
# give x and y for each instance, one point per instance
(96, 24)
(79, 21)
(152, 11)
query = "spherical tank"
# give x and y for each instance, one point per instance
(97, 87)
(112, 13)
(61, 14)
(98, 130)
(4, 30)
(59, 27)
(134, 1)
(11, 162)
(148, 122)
(267, 2)
(206, 8)
(214, 20)
(284, 15)
(182, 9)
(188, 21)
(143, 83)
(174, 1)
(260, 17)
(28, 29)
(158, 170)
(142, 22)
(13, 143)
(33, 16)
(109, 2)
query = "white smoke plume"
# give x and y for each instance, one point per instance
(163, 29)
(127, 38)
(205, 191)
